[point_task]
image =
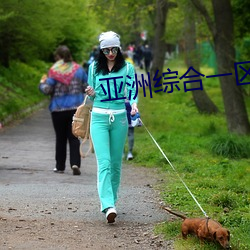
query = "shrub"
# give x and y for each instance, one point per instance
(231, 146)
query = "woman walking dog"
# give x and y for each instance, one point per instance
(108, 77)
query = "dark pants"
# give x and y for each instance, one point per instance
(130, 139)
(147, 65)
(62, 122)
(130, 129)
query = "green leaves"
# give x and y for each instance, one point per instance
(28, 33)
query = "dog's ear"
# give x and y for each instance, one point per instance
(214, 235)
(228, 237)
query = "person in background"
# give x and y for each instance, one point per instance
(92, 56)
(128, 109)
(109, 125)
(127, 58)
(148, 57)
(65, 84)
(138, 56)
(130, 132)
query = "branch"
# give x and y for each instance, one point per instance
(202, 9)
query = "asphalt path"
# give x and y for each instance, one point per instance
(30, 190)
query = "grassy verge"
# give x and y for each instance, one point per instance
(214, 164)
(19, 88)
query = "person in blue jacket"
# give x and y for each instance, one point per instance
(108, 77)
(65, 83)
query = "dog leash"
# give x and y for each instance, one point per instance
(175, 170)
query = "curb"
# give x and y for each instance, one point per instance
(22, 114)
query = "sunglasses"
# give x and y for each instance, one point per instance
(106, 51)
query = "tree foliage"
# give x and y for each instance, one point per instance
(126, 17)
(242, 21)
(28, 33)
(242, 28)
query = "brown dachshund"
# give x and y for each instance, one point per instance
(204, 229)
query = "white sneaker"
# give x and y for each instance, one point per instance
(129, 156)
(76, 170)
(58, 171)
(111, 214)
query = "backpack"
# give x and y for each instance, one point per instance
(81, 126)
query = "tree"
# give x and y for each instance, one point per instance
(28, 33)
(223, 37)
(159, 44)
(128, 18)
(201, 99)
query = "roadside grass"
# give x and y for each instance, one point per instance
(214, 164)
(19, 88)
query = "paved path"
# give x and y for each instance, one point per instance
(31, 193)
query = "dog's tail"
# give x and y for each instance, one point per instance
(175, 213)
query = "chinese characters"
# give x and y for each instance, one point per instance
(170, 81)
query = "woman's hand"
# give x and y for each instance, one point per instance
(90, 91)
(134, 109)
(43, 79)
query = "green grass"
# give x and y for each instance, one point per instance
(19, 88)
(231, 146)
(214, 164)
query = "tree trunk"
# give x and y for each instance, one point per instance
(235, 109)
(159, 45)
(202, 101)
(223, 36)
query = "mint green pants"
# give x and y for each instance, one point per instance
(108, 136)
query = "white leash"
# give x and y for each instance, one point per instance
(174, 170)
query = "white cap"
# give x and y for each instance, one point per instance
(109, 39)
